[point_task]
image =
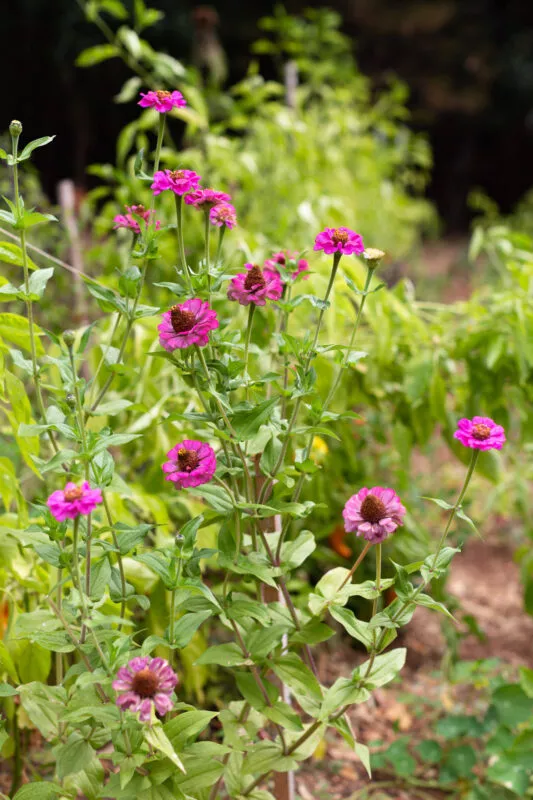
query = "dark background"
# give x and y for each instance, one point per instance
(468, 63)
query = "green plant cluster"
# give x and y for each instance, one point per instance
(482, 753)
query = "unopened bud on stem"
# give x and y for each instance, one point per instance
(69, 338)
(15, 128)
(373, 257)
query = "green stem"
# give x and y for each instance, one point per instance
(119, 559)
(219, 246)
(374, 651)
(451, 517)
(59, 599)
(207, 247)
(76, 572)
(342, 366)
(109, 380)
(356, 564)
(77, 645)
(171, 620)
(251, 311)
(453, 511)
(268, 484)
(301, 480)
(131, 314)
(101, 362)
(181, 243)
(27, 298)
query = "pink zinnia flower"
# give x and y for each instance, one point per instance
(191, 464)
(206, 199)
(480, 433)
(223, 214)
(373, 513)
(143, 683)
(73, 500)
(180, 181)
(339, 240)
(162, 101)
(128, 220)
(187, 324)
(281, 258)
(255, 286)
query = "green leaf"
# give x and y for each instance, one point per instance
(7, 691)
(129, 91)
(43, 705)
(156, 563)
(512, 705)
(438, 502)
(249, 689)
(225, 655)
(385, 667)
(247, 423)
(363, 752)
(157, 738)
(294, 553)
(215, 496)
(270, 455)
(186, 726)
(428, 602)
(186, 627)
(73, 756)
(15, 329)
(526, 680)
(398, 755)
(12, 254)
(291, 670)
(95, 55)
(357, 628)
(344, 692)
(31, 146)
(112, 407)
(429, 751)
(282, 714)
(513, 777)
(40, 790)
(7, 664)
(455, 725)
(461, 760)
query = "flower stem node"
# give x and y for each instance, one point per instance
(15, 128)
(373, 257)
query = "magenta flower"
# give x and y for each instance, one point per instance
(180, 181)
(480, 433)
(281, 258)
(129, 220)
(206, 199)
(339, 240)
(373, 513)
(143, 683)
(73, 500)
(223, 214)
(255, 286)
(162, 101)
(187, 324)
(191, 464)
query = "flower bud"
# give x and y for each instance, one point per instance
(15, 128)
(69, 338)
(373, 256)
